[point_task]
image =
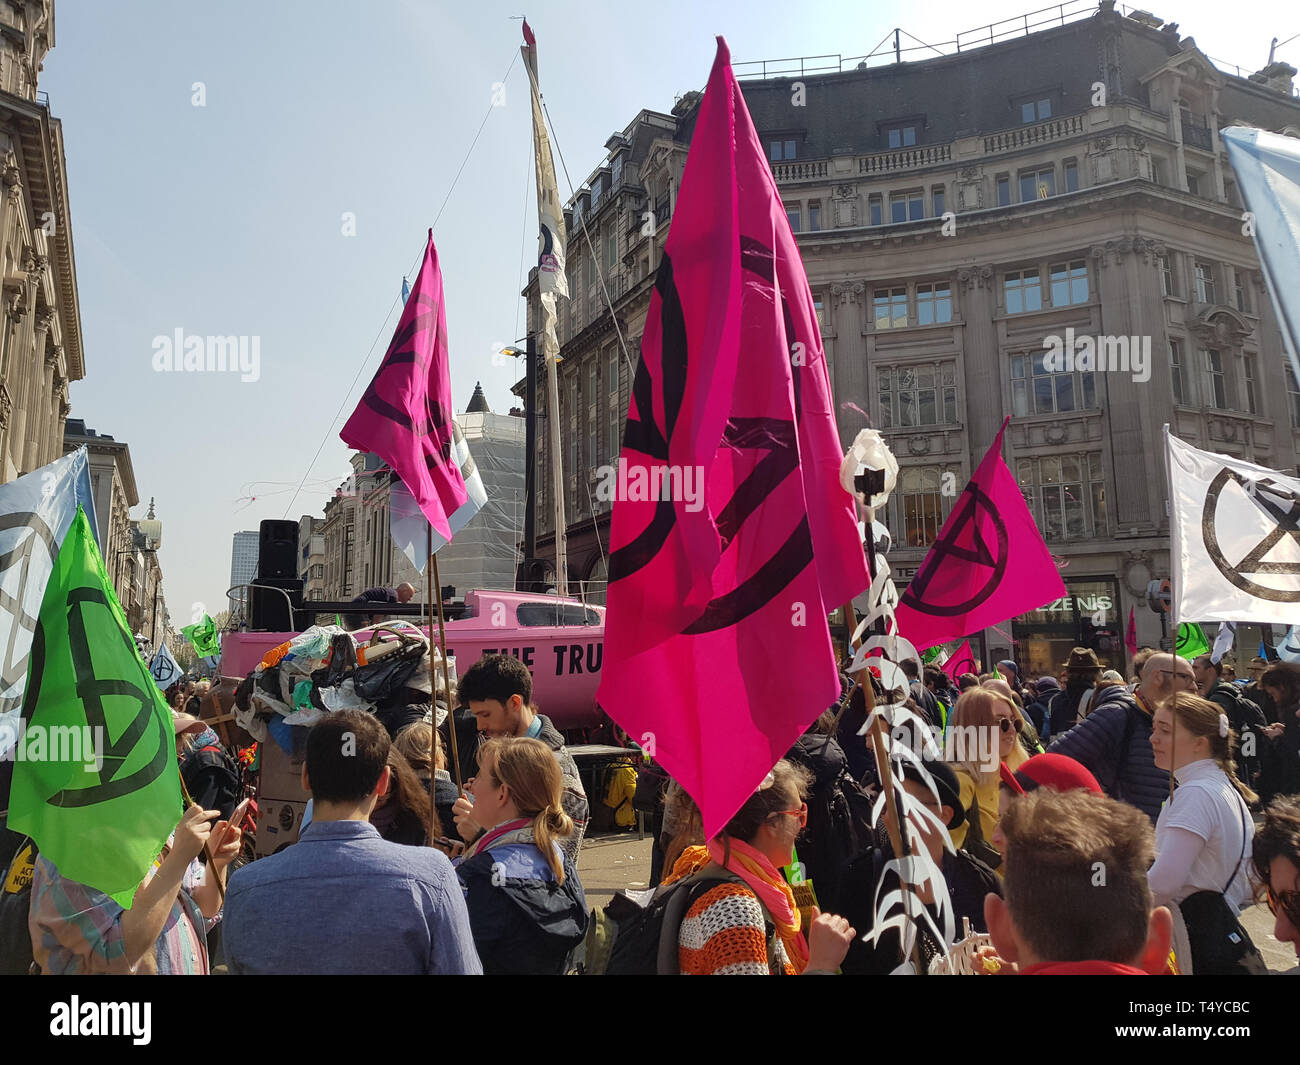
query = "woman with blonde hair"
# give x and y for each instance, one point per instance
(988, 726)
(1203, 835)
(422, 747)
(527, 909)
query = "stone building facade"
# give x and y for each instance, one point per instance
(40, 321)
(957, 214)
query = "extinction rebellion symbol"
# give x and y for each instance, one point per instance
(1282, 507)
(975, 518)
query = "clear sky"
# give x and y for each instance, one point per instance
(228, 219)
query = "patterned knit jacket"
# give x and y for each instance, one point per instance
(725, 933)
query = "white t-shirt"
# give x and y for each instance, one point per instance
(1208, 806)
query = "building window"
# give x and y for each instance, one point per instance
(890, 308)
(1037, 184)
(792, 216)
(1037, 390)
(936, 195)
(1168, 280)
(819, 306)
(1066, 493)
(1035, 111)
(1176, 376)
(1071, 176)
(1004, 190)
(611, 249)
(933, 304)
(1217, 391)
(1156, 177)
(1205, 292)
(1240, 290)
(1069, 283)
(1193, 183)
(814, 215)
(616, 174)
(1248, 370)
(918, 395)
(902, 136)
(591, 273)
(917, 507)
(781, 150)
(905, 206)
(876, 206)
(1022, 291)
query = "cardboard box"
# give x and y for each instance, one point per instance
(277, 825)
(281, 772)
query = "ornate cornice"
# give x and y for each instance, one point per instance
(975, 275)
(847, 291)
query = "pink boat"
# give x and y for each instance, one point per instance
(561, 641)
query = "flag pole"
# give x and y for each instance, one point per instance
(435, 580)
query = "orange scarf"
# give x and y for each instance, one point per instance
(766, 881)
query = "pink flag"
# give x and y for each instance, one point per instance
(717, 649)
(962, 661)
(989, 563)
(1131, 636)
(405, 416)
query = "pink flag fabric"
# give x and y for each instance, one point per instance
(717, 649)
(405, 416)
(1131, 634)
(962, 661)
(989, 563)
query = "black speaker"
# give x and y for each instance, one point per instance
(277, 549)
(270, 611)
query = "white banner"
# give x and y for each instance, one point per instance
(551, 238)
(1235, 532)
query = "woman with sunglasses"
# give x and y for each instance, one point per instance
(989, 725)
(1276, 859)
(748, 923)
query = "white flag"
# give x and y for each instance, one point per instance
(1223, 641)
(409, 526)
(164, 668)
(1235, 531)
(1268, 175)
(551, 238)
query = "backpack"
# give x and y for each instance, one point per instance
(15, 902)
(214, 780)
(839, 826)
(637, 935)
(1247, 719)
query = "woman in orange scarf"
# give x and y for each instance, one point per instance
(725, 931)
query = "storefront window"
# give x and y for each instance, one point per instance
(1088, 615)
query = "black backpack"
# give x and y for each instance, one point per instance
(647, 927)
(1248, 720)
(214, 780)
(15, 902)
(839, 827)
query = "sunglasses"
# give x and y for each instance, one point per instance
(1286, 901)
(1006, 724)
(801, 813)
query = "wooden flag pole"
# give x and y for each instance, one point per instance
(446, 673)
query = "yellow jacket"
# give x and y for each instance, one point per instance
(986, 793)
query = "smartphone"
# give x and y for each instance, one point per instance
(236, 816)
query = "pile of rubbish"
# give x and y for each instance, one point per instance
(324, 669)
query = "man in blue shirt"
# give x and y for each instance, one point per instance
(341, 899)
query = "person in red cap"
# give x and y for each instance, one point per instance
(1053, 771)
(1077, 898)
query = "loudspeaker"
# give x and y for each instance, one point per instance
(277, 549)
(268, 609)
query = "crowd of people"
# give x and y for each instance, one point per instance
(1181, 786)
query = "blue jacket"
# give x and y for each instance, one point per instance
(523, 921)
(1125, 771)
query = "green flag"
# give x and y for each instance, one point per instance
(1192, 642)
(204, 637)
(95, 779)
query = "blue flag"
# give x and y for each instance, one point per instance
(36, 512)
(406, 291)
(164, 668)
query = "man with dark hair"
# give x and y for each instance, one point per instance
(1276, 857)
(967, 681)
(342, 899)
(1077, 899)
(499, 691)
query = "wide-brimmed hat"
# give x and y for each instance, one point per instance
(1084, 659)
(186, 722)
